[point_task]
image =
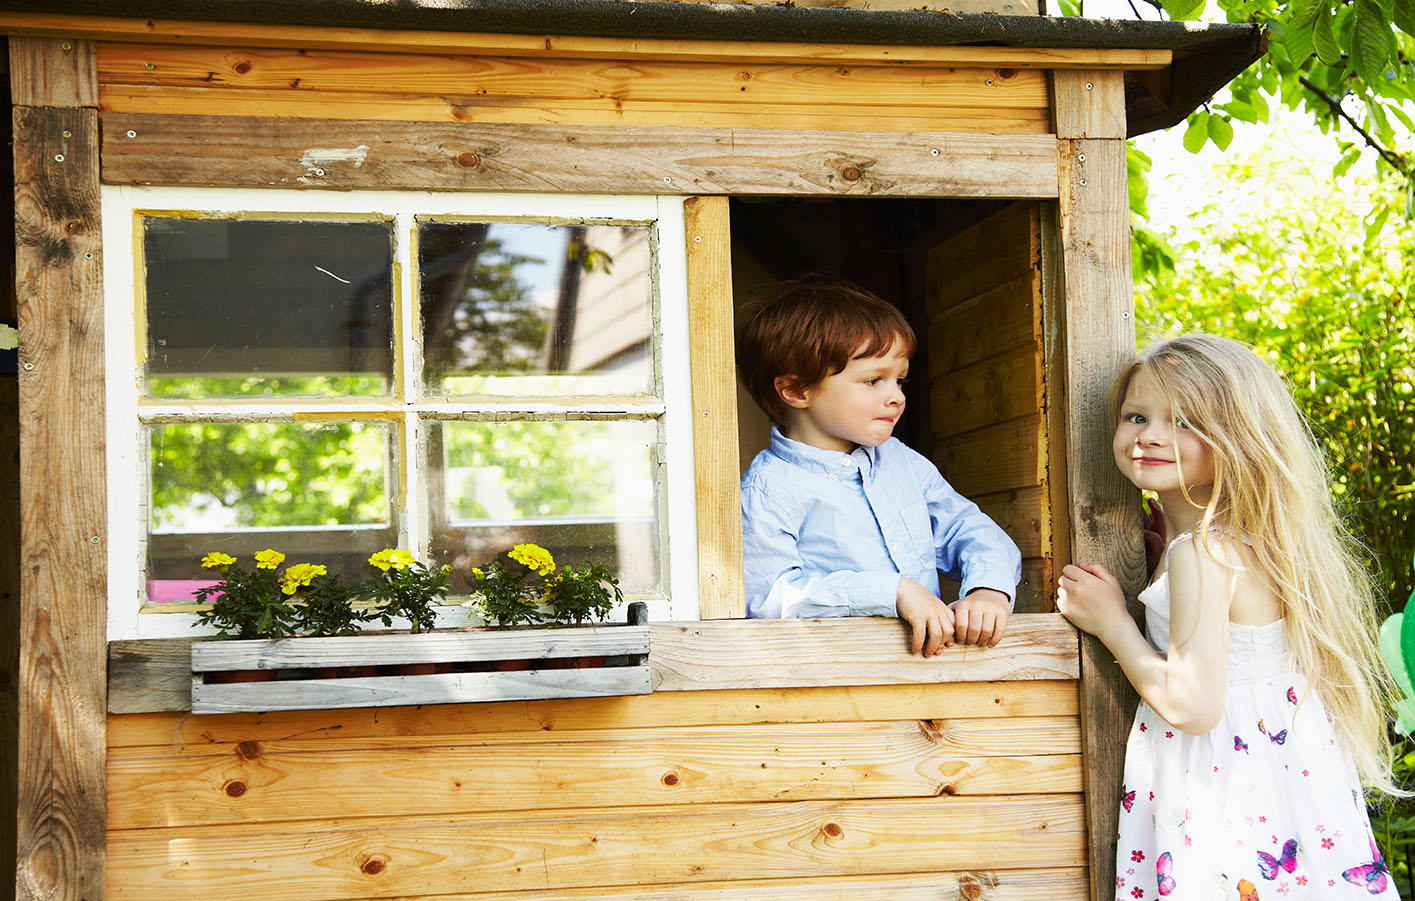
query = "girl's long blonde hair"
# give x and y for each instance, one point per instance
(1271, 484)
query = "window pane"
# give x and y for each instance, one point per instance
(536, 310)
(239, 307)
(584, 490)
(318, 493)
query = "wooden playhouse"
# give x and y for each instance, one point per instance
(188, 173)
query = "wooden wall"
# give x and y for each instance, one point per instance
(986, 368)
(745, 775)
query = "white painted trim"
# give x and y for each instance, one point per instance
(127, 411)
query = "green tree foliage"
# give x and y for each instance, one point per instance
(1319, 279)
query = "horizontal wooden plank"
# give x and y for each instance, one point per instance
(310, 860)
(1019, 512)
(471, 109)
(994, 389)
(1000, 457)
(433, 688)
(993, 252)
(795, 653)
(1005, 317)
(455, 645)
(149, 675)
(222, 150)
(1062, 884)
(331, 777)
(664, 708)
(149, 30)
(549, 80)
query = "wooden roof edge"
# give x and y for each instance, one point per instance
(1206, 55)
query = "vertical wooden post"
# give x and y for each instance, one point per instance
(1098, 311)
(63, 581)
(720, 591)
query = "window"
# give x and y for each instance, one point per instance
(330, 374)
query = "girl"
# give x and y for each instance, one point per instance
(1268, 696)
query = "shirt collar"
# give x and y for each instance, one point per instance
(824, 462)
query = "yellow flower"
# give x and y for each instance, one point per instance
(392, 558)
(533, 556)
(216, 559)
(476, 571)
(300, 575)
(268, 559)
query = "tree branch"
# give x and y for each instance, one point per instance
(1396, 160)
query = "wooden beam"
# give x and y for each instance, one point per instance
(64, 599)
(1089, 104)
(57, 72)
(170, 31)
(1104, 507)
(344, 154)
(710, 333)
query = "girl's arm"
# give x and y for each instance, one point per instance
(1186, 685)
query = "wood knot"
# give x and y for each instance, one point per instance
(1006, 73)
(242, 67)
(373, 866)
(833, 830)
(948, 788)
(670, 779)
(850, 173)
(248, 750)
(968, 888)
(468, 160)
(234, 788)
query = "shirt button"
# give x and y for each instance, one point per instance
(834, 477)
(844, 461)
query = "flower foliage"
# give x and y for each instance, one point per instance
(245, 604)
(508, 594)
(576, 594)
(404, 587)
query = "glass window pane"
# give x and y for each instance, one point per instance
(315, 492)
(239, 307)
(524, 309)
(584, 490)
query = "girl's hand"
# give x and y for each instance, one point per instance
(1089, 596)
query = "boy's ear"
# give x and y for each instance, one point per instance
(791, 393)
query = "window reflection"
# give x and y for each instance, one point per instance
(240, 307)
(582, 489)
(526, 309)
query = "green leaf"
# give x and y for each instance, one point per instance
(1137, 182)
(1297, 39)
(1243, 112)
(1400, 114)
(1328, 50)
(1373, 232)
(1403, 14)
(1197, 134)
(1220, 132)
(1372, 42)
(1379, 124)
(1184, 9)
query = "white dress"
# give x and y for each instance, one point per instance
(1265, 806)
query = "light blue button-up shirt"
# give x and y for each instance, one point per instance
(826, 533)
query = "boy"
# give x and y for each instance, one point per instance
(838, 517)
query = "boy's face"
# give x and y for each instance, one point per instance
(857, 406)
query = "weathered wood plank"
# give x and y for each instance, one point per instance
(983, 257)
(149, 675)
(796, 653)
(1000, 457)
(217, 150)
(994, 389)
(974, 885)
(174, 729)
(1019, 512)
(458, 645)
(148, 30)
(998, 7)
(996, 320)
(58, 72)
(9, 614)
(715, 474)
(330, 778)
(546, 81)
(435, 688)
(310, 860)
(63, 583)
(1105, 528)
(1089, 104)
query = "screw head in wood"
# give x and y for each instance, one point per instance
(151, 66)
(68, 134)
(58, 157)
(933, 152)
(94, 539)
(1080, 157)
(1089, 86)
(132, 134)
(29, 367)
(1083, 183)
(66, 46)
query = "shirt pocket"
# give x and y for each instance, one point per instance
(917, 528)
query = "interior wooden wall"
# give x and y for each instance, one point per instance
(986, 368)
(765, 789)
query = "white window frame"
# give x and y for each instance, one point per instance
(123, 208)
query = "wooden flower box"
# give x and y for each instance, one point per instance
(399, 669)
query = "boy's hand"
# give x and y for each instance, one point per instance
(981, 617)
(928, 616)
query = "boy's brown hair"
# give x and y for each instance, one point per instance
(811, 329)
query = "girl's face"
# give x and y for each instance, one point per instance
(1151, 448)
